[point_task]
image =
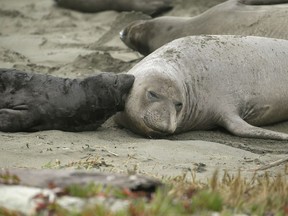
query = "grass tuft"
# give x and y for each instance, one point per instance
(226, 195)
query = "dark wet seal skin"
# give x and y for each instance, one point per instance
(34, 102)
(132, 36)
(151, 7)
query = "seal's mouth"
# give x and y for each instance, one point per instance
(158, 128)
(156, 134)
(120, 102)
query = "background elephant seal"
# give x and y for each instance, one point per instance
(262, 2)
(228, 18)
(151, 7)
(33, 102)
(201, 82)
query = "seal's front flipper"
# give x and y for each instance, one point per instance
(15, 120)
(239, 127)
(262, 2)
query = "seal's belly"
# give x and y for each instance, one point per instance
(259, 114)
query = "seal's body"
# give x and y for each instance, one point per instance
(151, 7)
(33, 102)
(201, 82)
(229, 18)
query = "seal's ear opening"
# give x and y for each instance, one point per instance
(115, 84)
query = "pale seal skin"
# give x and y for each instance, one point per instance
(151, 7)
(229, 18)
(203, 82)
(34, 102)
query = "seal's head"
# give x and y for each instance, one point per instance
(151, 7)
(114, 88)
(145, 36)
(136, 35)
(153, 107)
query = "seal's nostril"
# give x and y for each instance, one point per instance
(123, 34)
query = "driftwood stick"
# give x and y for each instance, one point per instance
(270, 165)
(64, 178)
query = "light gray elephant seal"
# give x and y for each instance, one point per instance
(201, 82)
(33, 102)
(151, 7)
(229, 18)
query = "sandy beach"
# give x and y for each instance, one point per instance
(40, 37)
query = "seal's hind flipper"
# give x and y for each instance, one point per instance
(262, 2)
(241, 128)
(15, 120)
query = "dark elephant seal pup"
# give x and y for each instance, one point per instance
(151, 7)
(33, 102)
(202, 82)
(229, 18)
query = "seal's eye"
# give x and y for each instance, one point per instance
(178, 106)
(152, 95)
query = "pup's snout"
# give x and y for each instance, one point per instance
(123, 34)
